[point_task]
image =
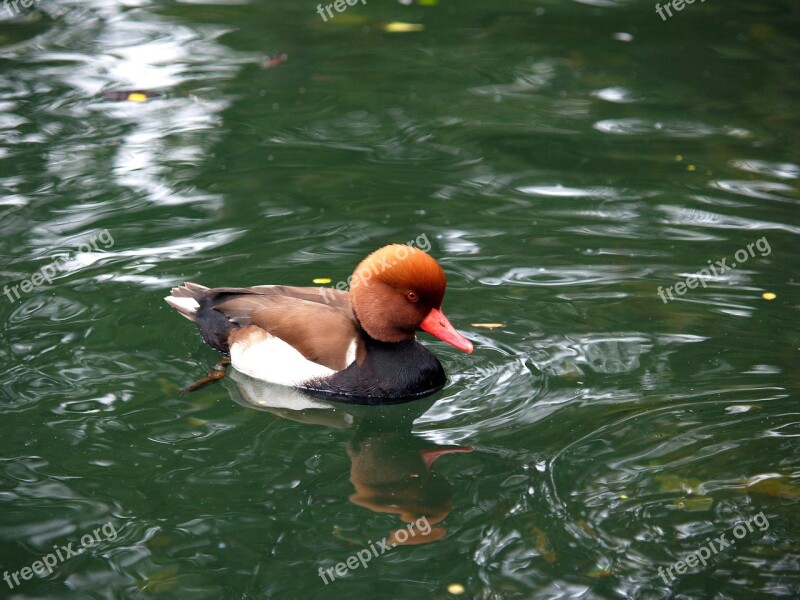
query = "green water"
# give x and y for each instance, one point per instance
(565, 159)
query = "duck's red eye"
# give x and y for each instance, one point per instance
(412, 297)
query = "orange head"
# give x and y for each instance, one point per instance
(398, 290)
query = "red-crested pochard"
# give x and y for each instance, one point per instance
(359, 344)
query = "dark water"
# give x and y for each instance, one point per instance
(565, 159)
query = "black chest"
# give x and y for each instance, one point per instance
(390, 373)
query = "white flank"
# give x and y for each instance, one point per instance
(350, 357)
(271, 359)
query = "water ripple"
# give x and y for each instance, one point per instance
(670, 129)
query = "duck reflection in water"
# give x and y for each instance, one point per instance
(391, 468)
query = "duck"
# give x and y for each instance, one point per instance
(357, 344)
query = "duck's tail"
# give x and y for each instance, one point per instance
(186, 299)
(195, 302)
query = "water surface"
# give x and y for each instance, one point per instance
(566, 160)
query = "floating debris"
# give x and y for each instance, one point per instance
(456, 589)
(400, 27)
(768, 296)
(488, 325)
(130, 95)
(323, 280)
(274, 60)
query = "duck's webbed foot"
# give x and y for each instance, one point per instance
(215, 373)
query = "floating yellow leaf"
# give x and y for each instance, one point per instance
(623, 496)
(130, 95)
(195, 421)
(427, 2)
(489, 325)
(456, 589)
(322, 280)
(400, 27)
(691, 168)
(768, 296)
